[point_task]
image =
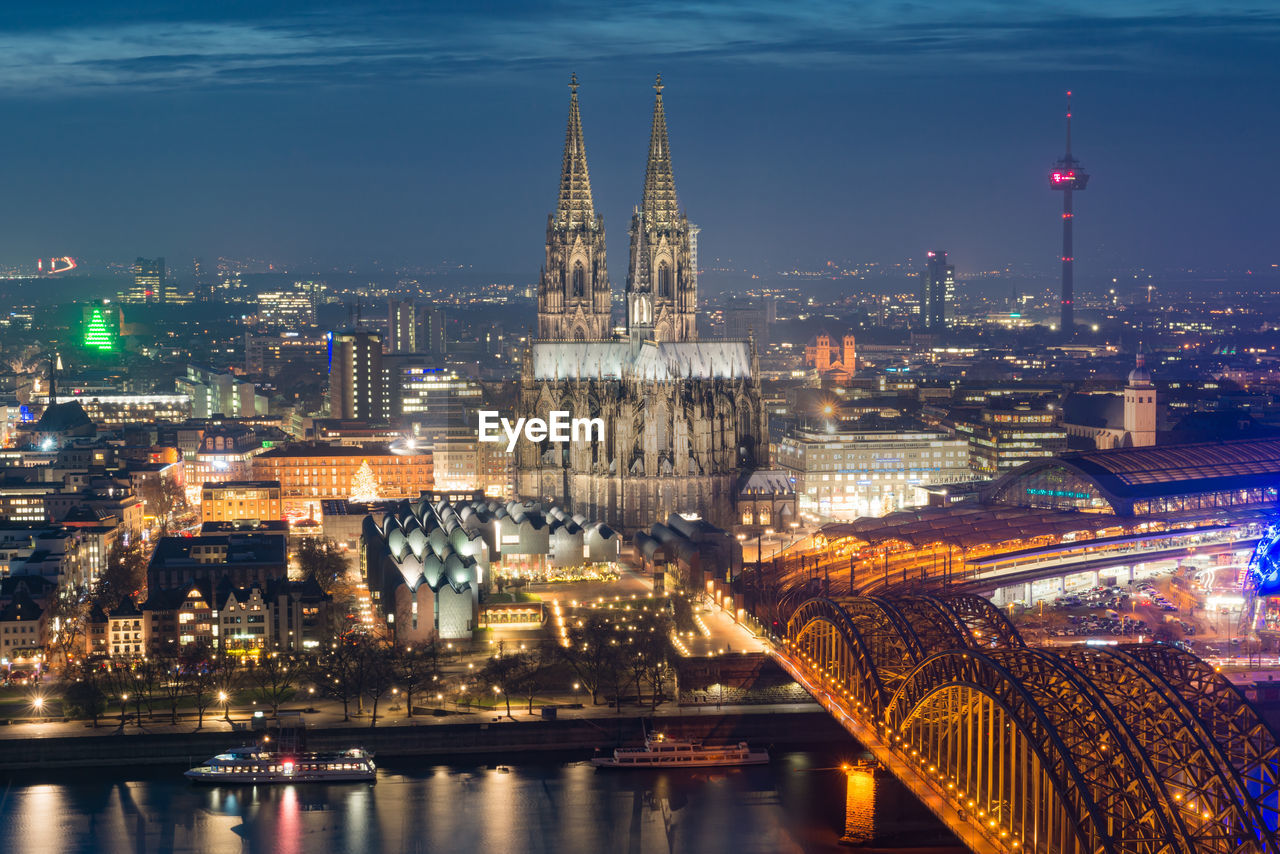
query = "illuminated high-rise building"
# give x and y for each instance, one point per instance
(286, 310)
(356, 388)
(937, 291)
(150, 282)
(402, 327)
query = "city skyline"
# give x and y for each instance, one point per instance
(341, 137)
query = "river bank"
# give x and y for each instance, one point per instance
(490, 736)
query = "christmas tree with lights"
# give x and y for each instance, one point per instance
(364, 486)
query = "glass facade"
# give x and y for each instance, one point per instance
(1053, 488)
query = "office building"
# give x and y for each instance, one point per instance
(232, 501)
(150, 282)
(937, 292)
(220, 393)
(289, 310)
(356, 388)
(309, 473)
(869, 467)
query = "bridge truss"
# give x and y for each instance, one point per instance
(1132, 749)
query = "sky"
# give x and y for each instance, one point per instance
(340, 133)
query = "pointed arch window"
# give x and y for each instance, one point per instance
(664, 280)
(579, 279)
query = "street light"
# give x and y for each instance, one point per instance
(226, 708)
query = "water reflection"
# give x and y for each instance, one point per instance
(796, 805)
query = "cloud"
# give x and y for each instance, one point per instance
(156, 48)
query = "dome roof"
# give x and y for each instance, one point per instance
(1140, 376)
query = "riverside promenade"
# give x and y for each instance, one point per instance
(53, 745)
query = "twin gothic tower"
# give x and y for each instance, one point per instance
(574, 295)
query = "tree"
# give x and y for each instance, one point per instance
(532, 675)
(364, 486)
(200, 666)
(378, 673)
(148, 674)
(593, 653)
(165, 499)
(117, 685)
(653, 655)
(68, 617)
(502, 672)
(84, 695)
(124, 575)
(273, 678)
(416, 669)
(173, 679)
(227, 679)
(337, 672)
(325, 559)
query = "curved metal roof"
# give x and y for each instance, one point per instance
(1127, 474)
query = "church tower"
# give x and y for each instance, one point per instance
(1140, 407)
(662, 285)
(573, 294)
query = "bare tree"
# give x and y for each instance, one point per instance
(84, 692)
(325, 559)
(273, 678)
(124, 575)
(172, 679)
(536, 664)
(200, 667)
(376, 658)
(227, 679)
(416, 669)
(595, 653)
(68, 620)
(337, 673)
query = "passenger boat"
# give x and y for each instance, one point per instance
(257, 764)
(662, 752)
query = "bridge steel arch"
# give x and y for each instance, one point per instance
(1136, 750)
(1244, 739)
(822, 634)
(1215, 800)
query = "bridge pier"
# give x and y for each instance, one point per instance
(860, 805)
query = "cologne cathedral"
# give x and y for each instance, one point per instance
(683, 417)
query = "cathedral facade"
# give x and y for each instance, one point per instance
(683, 417)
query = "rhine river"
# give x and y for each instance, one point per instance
(795, 805)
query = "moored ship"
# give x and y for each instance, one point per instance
(256, 764)
(662, 752)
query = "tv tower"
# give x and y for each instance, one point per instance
(1068, 176)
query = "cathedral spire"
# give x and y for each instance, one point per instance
(659, 203)
(575, 207)
(573, 294)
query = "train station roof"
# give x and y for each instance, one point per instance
(1122, 476)
(967, 525)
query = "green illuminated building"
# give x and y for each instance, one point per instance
(101, 328)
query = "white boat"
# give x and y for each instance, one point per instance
(662, 752)
(256, 764)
